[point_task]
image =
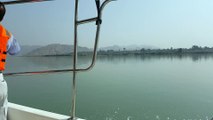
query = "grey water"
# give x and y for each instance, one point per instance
(152, 87)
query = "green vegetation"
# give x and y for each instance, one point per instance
(193, 50)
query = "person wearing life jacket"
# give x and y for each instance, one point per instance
(8, 44)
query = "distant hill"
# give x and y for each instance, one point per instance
(61, 49)
(28, 48)
(55, 49)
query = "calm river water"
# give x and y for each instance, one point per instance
(119, 87)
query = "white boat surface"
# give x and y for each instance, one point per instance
(20, 112)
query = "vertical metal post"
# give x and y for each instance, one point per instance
(75, 55)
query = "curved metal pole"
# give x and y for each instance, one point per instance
(104, 4)
(22, 1)
(76, 53)
(75, 61)
(96, 37)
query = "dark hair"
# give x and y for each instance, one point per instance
(2, 11)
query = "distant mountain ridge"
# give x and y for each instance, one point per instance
(67, 50)
(25, 49)
(62, 49)
(55, 49)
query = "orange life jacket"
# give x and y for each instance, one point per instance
(4, 37)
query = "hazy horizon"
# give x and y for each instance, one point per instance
(132, 45)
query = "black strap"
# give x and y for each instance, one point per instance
(4, 52)
(3, 60)
(99, 21)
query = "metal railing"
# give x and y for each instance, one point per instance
(100, 6)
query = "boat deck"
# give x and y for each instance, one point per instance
(19, 112)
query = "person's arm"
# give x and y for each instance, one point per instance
(13, 46)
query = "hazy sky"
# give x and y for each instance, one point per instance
(160, 23)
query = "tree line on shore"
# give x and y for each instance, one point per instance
(193, 50)
(66, 50)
